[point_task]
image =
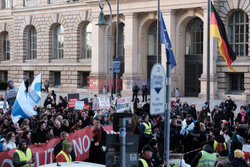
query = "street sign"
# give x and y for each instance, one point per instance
(116, 65)
(157, 90)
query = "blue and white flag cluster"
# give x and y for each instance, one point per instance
(24, 104)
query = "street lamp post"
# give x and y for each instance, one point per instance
(100, 23)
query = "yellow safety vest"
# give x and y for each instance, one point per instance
(68, 159)
(148, 129)
(23, 156)
(173, 165)
(207, 159)
(216, 143)
(144, 163)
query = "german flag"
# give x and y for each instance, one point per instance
(217, 30)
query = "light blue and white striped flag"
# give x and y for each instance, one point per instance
(22, 107)
(34, 94)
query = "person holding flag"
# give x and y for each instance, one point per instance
(24, 104)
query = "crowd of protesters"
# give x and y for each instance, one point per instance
(196, 132)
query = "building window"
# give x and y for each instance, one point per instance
(6, 46)
(86, 41)
(82, 79)
(238, 33)
(194, 37)
(4, 76)
(57, 78)
(236, 82)
(30, 76)
(32, 49)
(58, 42)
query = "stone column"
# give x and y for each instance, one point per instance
(213, 58)
(169, 19)
(130, 58)
(97, 60)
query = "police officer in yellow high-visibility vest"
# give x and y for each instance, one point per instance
(145, 159)
(205, 158)
(23, 156)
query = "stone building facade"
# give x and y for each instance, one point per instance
(60, 40)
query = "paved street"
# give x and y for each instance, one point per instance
(198, 102)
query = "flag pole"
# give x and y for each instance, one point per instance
(208, 50)
(158, 27)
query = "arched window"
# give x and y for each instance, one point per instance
(32, 49)
(58, 42)
(238, 33)
(86, 41)
(152, 44)
(194, 37)
(6, 46)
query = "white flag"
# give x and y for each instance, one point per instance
(34, 95)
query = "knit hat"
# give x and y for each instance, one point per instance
(238, 153)
(66, 145)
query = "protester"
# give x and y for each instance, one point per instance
(23, 156)
(145, 159)
(98, 144)
(64, 154)
(239, 159)
(46, 86)
(206, 157)
(10, 141)
(230, 108)
(222, 160)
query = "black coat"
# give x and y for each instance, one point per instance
(136, 89)
(144, 89)
(39, 137)
(237, 162)
(230, 105)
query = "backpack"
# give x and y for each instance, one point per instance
(219, 147)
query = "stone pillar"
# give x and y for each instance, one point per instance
(97, 60)
(247, 86)
(130, 58)
(169, 18)
(213, 58)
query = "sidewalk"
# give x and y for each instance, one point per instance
(190, 100)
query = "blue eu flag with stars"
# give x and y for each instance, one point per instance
(165, 40)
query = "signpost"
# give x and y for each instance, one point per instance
(157, 90)
(116, 66)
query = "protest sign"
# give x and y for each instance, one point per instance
(104, 102)
(123, 104)
(95, 105)
(72, 99)
(79, 105)
(1, 104)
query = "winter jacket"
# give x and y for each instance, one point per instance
(237, 162)
(222, 161)
(230, 105)
(196, 159)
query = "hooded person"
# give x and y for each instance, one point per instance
(23, 156)
(10, 95)
(206, 157)
(64, 154)
(239, 159)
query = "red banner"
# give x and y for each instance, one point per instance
(44, 153)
